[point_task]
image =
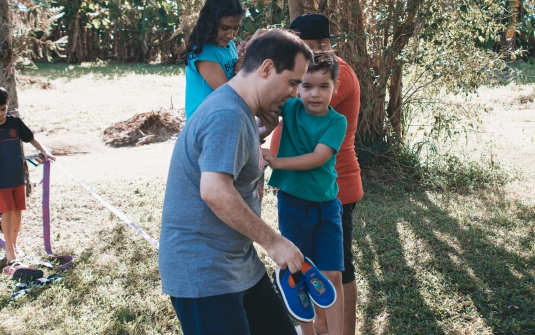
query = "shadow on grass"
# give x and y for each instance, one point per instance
(438, 264)
(106, 71)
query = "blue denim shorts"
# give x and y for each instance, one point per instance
(315, 228)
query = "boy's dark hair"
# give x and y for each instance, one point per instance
(326, 60)
(278, 45)
(208, 24)
(3, 96)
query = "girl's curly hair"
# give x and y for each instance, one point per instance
(208, 24)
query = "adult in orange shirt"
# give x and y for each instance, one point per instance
(314, 31)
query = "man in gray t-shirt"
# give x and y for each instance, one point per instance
(211, 213)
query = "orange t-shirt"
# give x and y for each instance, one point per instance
(346, 102)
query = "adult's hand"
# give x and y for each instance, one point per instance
(267, 122)
(285, 254)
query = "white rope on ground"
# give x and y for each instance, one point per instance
(121, 215)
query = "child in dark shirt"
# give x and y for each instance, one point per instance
(12, 181)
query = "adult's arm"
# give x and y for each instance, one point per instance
(212, 72)
(218, 191)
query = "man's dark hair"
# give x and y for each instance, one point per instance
(207, 25)
(327, 61)
(278, 45)
(3, 96)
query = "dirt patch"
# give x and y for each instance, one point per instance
(29, 81)
(525, 99)
(67, 151)
(145, 128)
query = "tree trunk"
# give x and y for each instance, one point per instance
(298, 7)
(7, 58)
(76, 50)
(8, 73)
(375, 62)
(394, 103)
(515, 6)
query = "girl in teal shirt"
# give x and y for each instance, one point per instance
(210, 53)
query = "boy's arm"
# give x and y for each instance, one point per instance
(310, 161)
(47, 155)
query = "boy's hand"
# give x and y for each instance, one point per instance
(268, 156)
(48, 156)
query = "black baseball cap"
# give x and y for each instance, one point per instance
(312, 27)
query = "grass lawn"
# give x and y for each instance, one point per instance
(428, 262)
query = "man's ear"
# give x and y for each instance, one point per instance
(266, 68)
(336, 85)
(325, 44)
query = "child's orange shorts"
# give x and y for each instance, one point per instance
(13, 199)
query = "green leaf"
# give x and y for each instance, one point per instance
(250, 27)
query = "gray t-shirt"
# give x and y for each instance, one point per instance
(199, 254)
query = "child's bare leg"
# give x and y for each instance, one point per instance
(335, 313)
(7, 228)
(307, 328)
(15, 228)
(320, 323)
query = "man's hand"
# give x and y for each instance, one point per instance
(285, 254)
(267, 122)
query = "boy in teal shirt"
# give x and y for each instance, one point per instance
(303, 171)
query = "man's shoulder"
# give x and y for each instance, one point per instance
(346, 72)
(224, 97)
(223, 105)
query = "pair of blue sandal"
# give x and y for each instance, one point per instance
(300, 290)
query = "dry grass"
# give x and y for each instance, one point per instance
(427, 262)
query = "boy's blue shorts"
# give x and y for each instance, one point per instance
(315, 228)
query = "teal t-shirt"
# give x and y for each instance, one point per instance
(197, 89)
(300, 135)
